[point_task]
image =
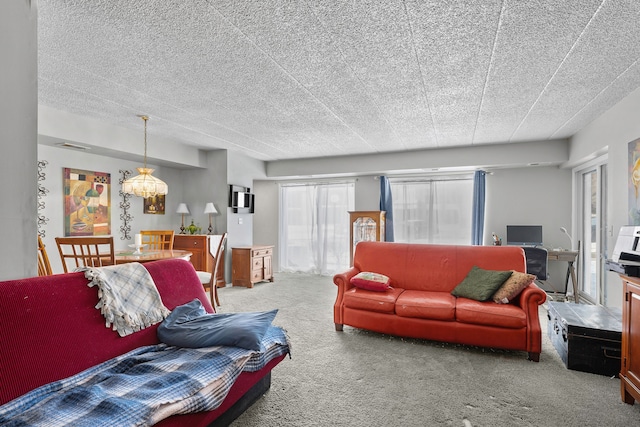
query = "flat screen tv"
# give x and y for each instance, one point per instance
(241, 199)
(524, 235)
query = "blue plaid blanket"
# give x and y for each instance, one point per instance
(129, 299)
(142, 387)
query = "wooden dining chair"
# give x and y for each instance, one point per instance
(85, 251)
(208, 278)
(157, 239)
(44, 267)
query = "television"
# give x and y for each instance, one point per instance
(241, 199)
(524, 235)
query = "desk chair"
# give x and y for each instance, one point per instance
(157, 239)
(208, 278)
(86, 251)
(44, 267)
(537, 262)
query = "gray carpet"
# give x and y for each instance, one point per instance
(360, 378)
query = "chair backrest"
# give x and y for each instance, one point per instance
(44, 267)
(86, 251)
(157, 239)
(216, 263)
(536, 261)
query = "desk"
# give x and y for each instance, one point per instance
(123, 257)
(569, 257)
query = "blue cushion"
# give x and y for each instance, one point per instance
(190, 326)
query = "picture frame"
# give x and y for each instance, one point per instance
(87, 203)
(154, 205)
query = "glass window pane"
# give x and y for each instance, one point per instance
(314, 227)
(436, 211)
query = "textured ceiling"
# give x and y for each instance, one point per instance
(291, 79)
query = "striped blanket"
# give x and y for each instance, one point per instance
(142, 387)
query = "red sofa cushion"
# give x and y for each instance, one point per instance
(426, 305)
(362, 299)
(491, 314)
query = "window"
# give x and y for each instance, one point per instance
(433, 210)
(314, 227)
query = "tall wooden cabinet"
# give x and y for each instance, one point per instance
(366, 226)
(630, 360)
(251, 264)
(201, 259)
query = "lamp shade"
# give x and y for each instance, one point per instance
(145, 184)
(210, 209)
(182, 208)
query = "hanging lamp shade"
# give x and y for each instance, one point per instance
(145, 184)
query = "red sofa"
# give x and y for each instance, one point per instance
(49, 330)
(420, 304)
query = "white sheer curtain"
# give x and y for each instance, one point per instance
(314, 227)
(433, 210)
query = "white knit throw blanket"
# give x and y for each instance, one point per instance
(128, 297)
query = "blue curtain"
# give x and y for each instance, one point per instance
(477, 219)
(386, 204)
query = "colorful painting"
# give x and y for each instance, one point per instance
(634, 182)
(154, 205)
(87, 203)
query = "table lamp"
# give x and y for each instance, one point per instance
(210, 209)
(182, 209)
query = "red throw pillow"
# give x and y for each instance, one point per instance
(371, 281)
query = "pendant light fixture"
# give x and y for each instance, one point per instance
(145, 184)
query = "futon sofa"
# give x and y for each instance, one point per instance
(50, 330)
(419, 302)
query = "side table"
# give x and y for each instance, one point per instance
(251, 264)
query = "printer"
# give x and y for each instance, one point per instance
(626, 254)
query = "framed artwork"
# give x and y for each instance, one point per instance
(633, 183)
(87, 203)
(154, 205)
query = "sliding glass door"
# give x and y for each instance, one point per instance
(592, 224)
(314, 226)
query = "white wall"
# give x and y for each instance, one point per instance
(266, 225)
(611, 132)
(60, 158)
(18, 124)
(532, 196)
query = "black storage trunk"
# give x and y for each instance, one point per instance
(587, 337)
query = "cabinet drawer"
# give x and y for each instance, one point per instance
(261, 252)
(257, 275)
(190, 243)
(258, 263)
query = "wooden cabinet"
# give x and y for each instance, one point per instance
(201, 259)
(251, 264)
(366, 226)
(630, 363)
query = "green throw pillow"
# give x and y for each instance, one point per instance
(480, 284)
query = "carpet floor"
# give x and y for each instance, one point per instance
(360, 378)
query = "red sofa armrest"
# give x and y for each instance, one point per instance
(529, 300)
(343, 282)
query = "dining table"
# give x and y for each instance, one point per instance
(125, 256)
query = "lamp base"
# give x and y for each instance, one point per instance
(210, 230)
